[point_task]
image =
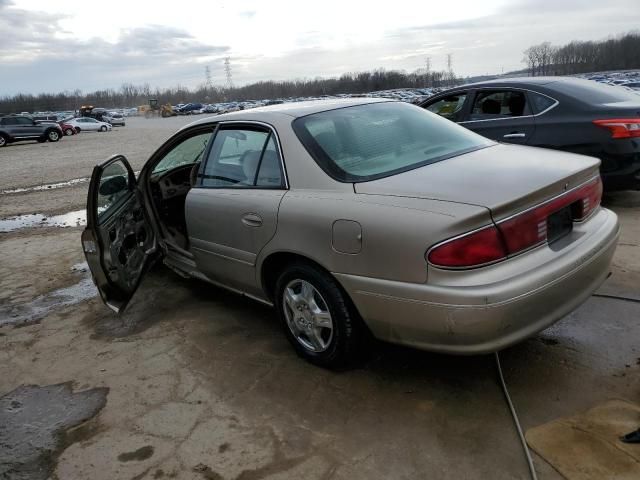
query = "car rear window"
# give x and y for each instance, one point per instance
(594, 92)
(366, 142)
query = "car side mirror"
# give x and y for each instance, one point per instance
(112, 186)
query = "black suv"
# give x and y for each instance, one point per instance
(18, 128)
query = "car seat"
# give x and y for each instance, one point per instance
(491, 107)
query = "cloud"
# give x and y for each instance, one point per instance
(277, 42)
(34, 43)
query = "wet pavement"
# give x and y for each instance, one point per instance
(38, 220)
(39, 307)
(33, 421)
(48, 186)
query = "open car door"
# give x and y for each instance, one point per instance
(118, 242)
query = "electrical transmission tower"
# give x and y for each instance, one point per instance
(227, 72)
(207, 76)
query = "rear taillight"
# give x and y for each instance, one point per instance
(515, 234)
(621, 127)
(477, 248)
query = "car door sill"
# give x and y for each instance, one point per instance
(187, 270)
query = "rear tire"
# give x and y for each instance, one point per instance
(317, 316)
(53, 135)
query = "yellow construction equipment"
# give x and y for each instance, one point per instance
(152, 109)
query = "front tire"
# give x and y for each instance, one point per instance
(317, 316)
(3, 141)
(103, 128)
(53, 135)
(68, 132)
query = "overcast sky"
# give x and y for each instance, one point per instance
(55, 45)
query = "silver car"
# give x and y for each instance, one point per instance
(356, 216)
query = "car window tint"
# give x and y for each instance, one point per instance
(449, 107)
(270, 174)
(188, 151)
(499, 104)
(114, 185)
(539, 102)
(24, 121)
(234, 158)
(379, 139)
(9, 121)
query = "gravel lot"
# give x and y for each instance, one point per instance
(201, 384)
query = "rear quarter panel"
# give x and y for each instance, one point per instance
(396, 232)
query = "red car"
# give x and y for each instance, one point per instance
(67, 129)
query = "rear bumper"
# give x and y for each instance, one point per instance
(481, 318)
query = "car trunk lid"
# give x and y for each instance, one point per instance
(507, 179)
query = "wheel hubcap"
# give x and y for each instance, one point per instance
(307, 315)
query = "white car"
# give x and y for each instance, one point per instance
(89, 124)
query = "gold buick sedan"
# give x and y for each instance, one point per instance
(359, 216)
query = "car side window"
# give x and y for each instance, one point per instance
(188, 151)
(449, 107)
(539, 102)
(242, 157)
(499, 104)
(24, 121)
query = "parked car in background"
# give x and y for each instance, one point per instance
(563, 113)
(189, 109)
(67, 128)
(349, 215)
(16, 128)
(114, 118)
(89, 124)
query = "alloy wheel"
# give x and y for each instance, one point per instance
(307, 315)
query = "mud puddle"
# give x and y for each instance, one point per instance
(77, 218)
(40, 306)
(51, 186)
(34, 420)
(46, 186)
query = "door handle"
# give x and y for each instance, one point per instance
(252, 220)
(515, 135)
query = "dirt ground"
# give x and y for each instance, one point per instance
(201, 384)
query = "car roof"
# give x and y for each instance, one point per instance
(292, 109)
(524, 82)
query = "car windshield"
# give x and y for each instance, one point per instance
(365, 142)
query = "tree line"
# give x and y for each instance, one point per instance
(130, 95)
(621, 53)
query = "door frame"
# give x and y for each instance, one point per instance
(249, 123)
(93, 245)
